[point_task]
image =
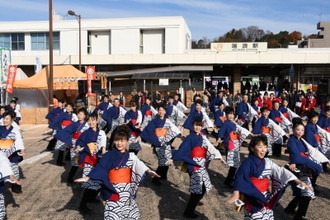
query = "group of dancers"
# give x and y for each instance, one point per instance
(106, 142)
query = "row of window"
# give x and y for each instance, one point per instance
(39, 41)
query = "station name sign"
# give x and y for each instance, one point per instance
(239, 47)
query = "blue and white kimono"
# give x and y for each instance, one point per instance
(5, 172)
(91, 143)
(113, 117)
(67, 137)
(119, 193)
(161, 143)
(148, 113)
(174, 114)
(233, 136)
(14, 151)
(196, 152)
(252, 179)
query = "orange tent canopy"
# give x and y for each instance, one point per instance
(39, 80)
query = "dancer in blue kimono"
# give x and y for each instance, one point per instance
(148, 113)
(113, 117)
(56, 111)
(119, 172)
(91, 145)
(305, 163)
(324, 120)
(67, 137)
(6, 174)
(133, 118)
(161, 132)
(11, 143)
(104, 105)
(61, 121)
(252, 181)
(198, 112)
(232, 135)
(196, 152)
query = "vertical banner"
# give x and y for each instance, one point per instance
(5, 61)
(12, 69)
(90, 71)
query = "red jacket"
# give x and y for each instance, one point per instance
(268, 103)
(260, 101)
(311, 102)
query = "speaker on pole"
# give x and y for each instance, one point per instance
(82, 86)
(96, 86)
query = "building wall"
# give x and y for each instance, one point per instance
(324, 34)
(106, 36)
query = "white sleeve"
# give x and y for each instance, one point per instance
(74, 117)
(139, 119)
(315, 153)
(5, 168)
(153, 110)
(280, 174)
(19, 144)
(103, 139)
(208, 121)
(212, 152)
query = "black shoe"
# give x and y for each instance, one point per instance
(85, 210)
(60, 163)
(289, 211)
(190, 215)
(16, 188)
(156, 181)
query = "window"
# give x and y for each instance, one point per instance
(40, 41)
(14, 41)
(17, 42)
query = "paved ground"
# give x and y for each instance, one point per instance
(47, 196)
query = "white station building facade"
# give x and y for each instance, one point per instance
(137, 52)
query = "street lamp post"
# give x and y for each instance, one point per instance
(72, 13)
(50, 75)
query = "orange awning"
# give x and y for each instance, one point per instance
(39, 80)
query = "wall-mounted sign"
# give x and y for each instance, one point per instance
(239, 47)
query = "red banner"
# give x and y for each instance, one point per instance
(90, 71)
(12, 69)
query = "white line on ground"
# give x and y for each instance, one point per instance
(35, 158)
(34, 127)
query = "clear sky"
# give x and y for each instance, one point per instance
(210, 18)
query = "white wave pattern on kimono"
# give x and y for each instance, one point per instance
(233, 156)
(148, 118)
(286, 124)
(181, 107)
(277, 132)
(292, 114)
(325, 141)
(5, 171)
(201, 177)
(176, 116)
(133, 144)
(61, 145)
(319, 158)
(208, 123)
(87, 168)
(2, 207)
(120, 120)
(279, 177)
(164, 152)
(5, 168)
(15, 135)
(126, 207)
